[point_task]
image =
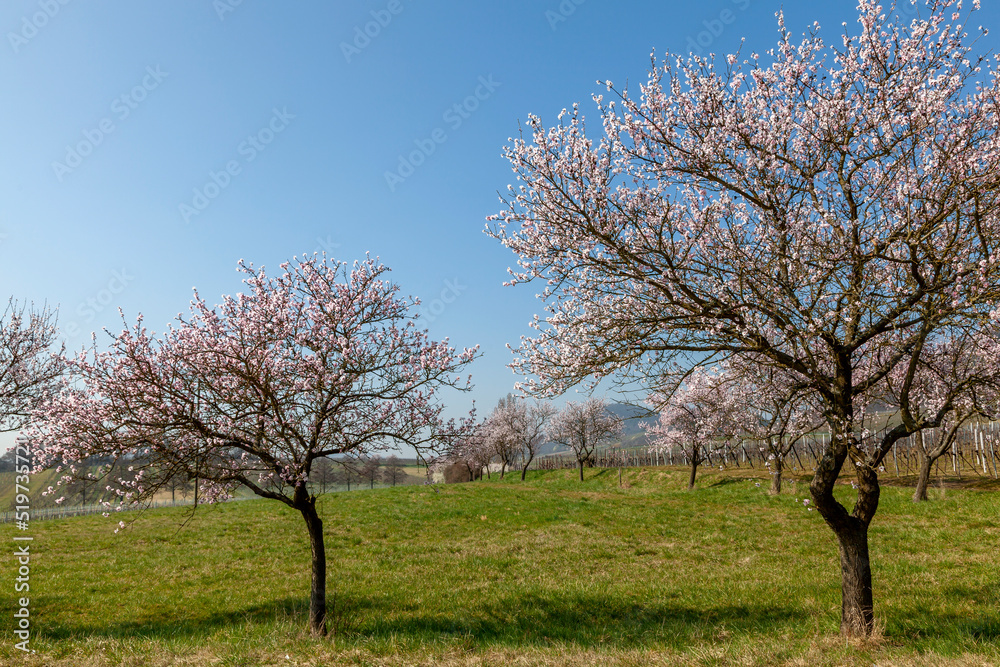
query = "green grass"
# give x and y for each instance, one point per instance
(550, 571)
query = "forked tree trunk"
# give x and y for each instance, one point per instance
(857, 616)
(776, 476)
(317, 592)
(927, 460)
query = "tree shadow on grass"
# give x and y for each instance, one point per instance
(187, 622)
(518, 620)
(961, 627)
(980, 623)
(585, 621)
(725, 481)
(523, 619)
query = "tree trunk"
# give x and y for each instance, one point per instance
(524, 470)
(857, 610)
(317, 592)
(580, 461)
(694, 468)
(776, 476)
(851, 529)
(927, 459)
(923, 477)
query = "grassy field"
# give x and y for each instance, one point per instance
(550, 571)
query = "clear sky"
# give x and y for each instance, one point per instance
(148, 146)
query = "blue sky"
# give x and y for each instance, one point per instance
(308, 117)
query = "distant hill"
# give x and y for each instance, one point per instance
(633, 416)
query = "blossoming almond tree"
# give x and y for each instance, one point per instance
(700, 415)
(500, 443)
(322, 359)
(30, 366)
(473, 451)
(772, 407)
(583, 427)
(800, 206)
(521, 427)
(955, 380)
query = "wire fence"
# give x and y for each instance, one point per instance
(974, 452)
(63, 511)
(43, 513)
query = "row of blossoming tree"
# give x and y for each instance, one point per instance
(514, 432)
(827, 213)
(742, 399)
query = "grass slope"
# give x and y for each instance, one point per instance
(550, 571)
(38, 483)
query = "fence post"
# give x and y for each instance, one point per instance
(954, 457)
(982, 449)
(992, 452)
